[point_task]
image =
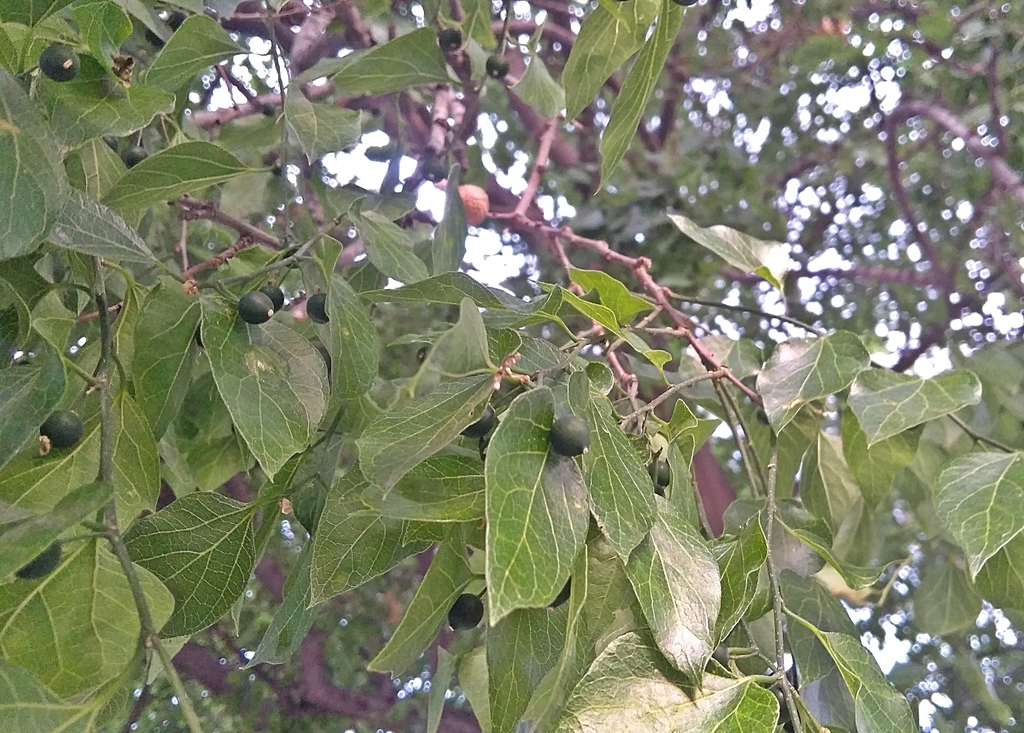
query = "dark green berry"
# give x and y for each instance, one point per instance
(316, 308)
(497, 66)
(134, 155)
(721, 655)
(563, 595)
(450, 39)
(59, 62)
(175, 20)
(434, 169)
(660, 473)
(686, 3)
(570, 436)
(482, 426)
(255, 308)
(268, 110)
(466, 612)
(421, 354)
(275, 294)
(63, 429)
(42, 565)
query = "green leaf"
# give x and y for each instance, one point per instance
(94, 169)
(272, 380)
(631, 101)
(603, 44)
(445, 580)
(450, 236)
(198, 44)
(887, 403)
(320, 128)
(675, 578)
(188, 167)
(537, 512)
(621, 490)
(1001, 580)
(390, 248)
(624, 304)
(352, 341)
(521, 649)
(203, 549)
(292, 619)
(27, 705)
(103, 27)
(630, 689)
(354, 544)
(30, 391)
(826, 485)
(406, 434)
(443, 488)
(802, 370)
(449, 288)
(980, 499)
(162, 369)
(53, 321)
(439, 683)
(473, 681)
(770, 260)
(477, 22)
(875, 468)
(537, 88)
(411, 60)
(136, 462)
(77, 627)
(93, 104)
(87, 226)
(30, 12)
(23, 541)
(461, 351)
(32, 181)
(945, 602)
(739, 565)
(813, 602)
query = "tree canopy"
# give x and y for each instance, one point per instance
(559, 366)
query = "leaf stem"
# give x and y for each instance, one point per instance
(739, 432)
(685, 384)
(963, 425)
(149, 636)
(745, 309)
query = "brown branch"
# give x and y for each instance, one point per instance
(540, 167)
(192, 209)
(243, 242)
(210, 119)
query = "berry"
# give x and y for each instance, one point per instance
(63, 429)
(450, 39)
(59, 62)
(316, 308)
(134, 155)
(268, 110)
(482, 426)
(721, 655)
(466, 612)
(497, 66)
(563, 595)
(660, 473)
(686, 3)
(570, 436)
(434, 169)
(42, 565)
(275, 294)
(421, 355)
(476, 203)
(255, 308)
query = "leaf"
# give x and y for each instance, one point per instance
(449, 288)
(76, 628)
(411, 60)
(630, 689)
(802, 370)
(162, 369)
(103, 27)
(390, 248)
(320, 128)
(614, 295)
(94, 169)
(826, 485)
(188, 167)
(272, 380)
(631, 101)
(980, 499)
(439, 687)
(473, 681)
(461, 351)
(945, 602)
(621, 490)
(477, 22)
(30, 391)
(202, 548)
(93, 104)
(875, 468)
(403, 436)
(813, 602)
(292, 619)
(444, 581)
(136, 462)
(739, 565)
(521, 649)
(1001, 580)
(32, 181)
(87, 226)
(27, 705)
(198, 44)
(537, 511)
(24, 540)
(443, 488)
(354, 544)
(352, 341)
(537, 88)
(770, 260)
(30, 12)
(887, 403)
(602, 45)
(675, 579)
(450, 236)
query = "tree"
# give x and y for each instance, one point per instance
(259, 405)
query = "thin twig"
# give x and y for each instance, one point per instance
(183, 245)
(540, 167)
(686, 384)
(979, 437)
(745, 309)
(243, 242)
(192, 208)
(283, 147)
(732, 418)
